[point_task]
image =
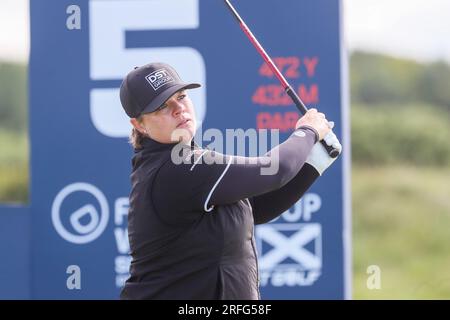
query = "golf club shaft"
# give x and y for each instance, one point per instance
(288, 89)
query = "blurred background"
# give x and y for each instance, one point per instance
(399, 60)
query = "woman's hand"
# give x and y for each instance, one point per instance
(316, 120)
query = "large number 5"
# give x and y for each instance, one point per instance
(110, 60)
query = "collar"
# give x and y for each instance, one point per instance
(150, 145)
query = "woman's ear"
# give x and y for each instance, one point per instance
(138, 125)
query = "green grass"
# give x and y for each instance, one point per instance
(14, 172)
(401, 222)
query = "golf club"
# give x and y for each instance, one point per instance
(291, 93)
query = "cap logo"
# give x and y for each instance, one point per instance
(159, 78)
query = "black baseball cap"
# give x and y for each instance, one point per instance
(146, 88)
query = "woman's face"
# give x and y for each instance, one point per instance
(174, 121)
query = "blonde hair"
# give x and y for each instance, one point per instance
(136, 137)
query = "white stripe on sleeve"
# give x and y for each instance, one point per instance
(215, 186)
(198, 160)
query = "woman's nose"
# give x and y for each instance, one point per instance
(178, 108)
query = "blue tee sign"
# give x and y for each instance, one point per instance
(80, 52)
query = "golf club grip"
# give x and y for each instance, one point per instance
(332, 152)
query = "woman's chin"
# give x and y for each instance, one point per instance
(184, 135)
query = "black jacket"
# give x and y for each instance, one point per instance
(191, 225)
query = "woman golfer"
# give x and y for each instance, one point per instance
(193, 211)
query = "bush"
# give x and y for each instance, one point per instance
(390, 134)
(377, 78)
(14, 160)
(13, 97)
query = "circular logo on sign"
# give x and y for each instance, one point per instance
(85, 223)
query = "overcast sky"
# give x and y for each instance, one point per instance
(14, 30)
(417, 29)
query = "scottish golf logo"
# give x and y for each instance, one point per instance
(291, 253)
(80, 213)
(159, 78)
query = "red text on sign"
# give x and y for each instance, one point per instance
(291, 67)
(283, 121)
(275, 95)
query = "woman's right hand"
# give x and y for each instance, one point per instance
(316, 120)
